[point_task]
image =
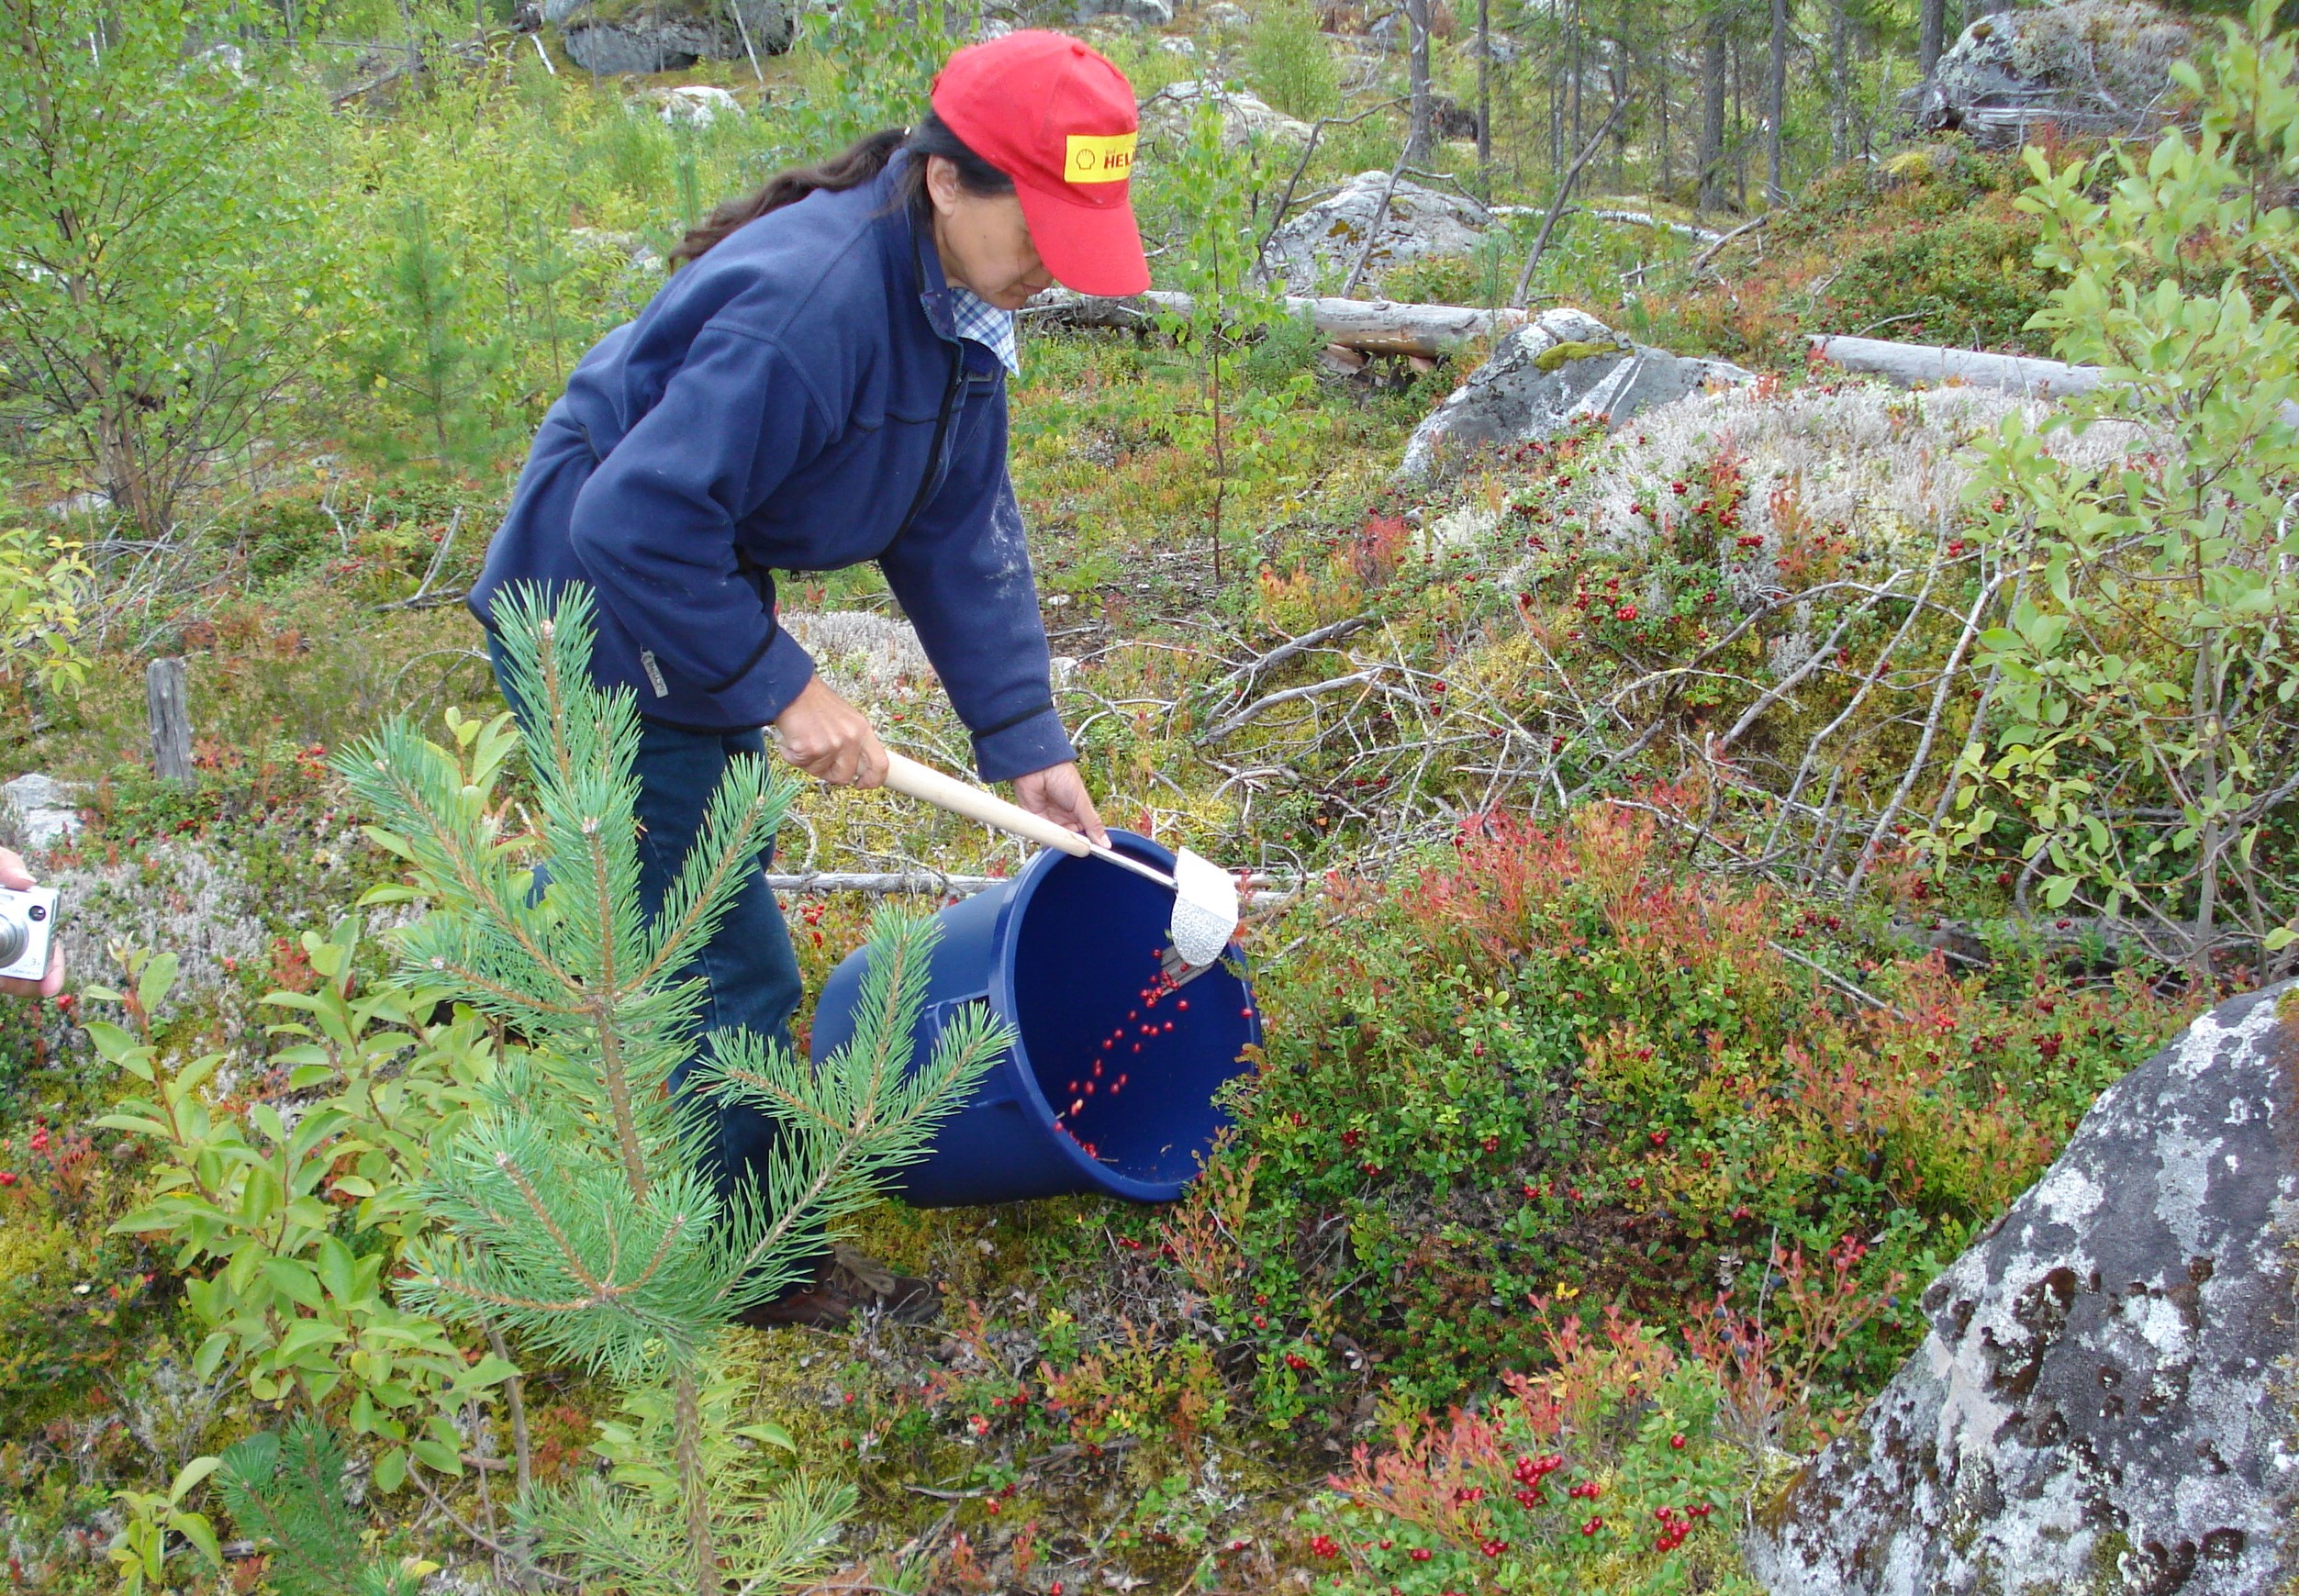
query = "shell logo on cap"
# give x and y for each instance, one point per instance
(1099, 157)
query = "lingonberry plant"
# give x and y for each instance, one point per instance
(1594, 1474)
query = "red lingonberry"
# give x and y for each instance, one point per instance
(1676, 1442)
(1421, 1554)
(1323, 1546)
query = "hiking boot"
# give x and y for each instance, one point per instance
(847, 1283)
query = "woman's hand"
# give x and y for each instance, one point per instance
(1058, 793)
(825, 736)
(14, 875)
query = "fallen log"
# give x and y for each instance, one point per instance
(1258, 887)
(1374, 326)
(1909, 364)
(1627, 218)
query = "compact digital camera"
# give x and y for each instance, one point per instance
(28, 924)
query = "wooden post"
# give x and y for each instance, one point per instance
(171, 720)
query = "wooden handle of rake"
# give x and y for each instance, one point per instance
(929, 785)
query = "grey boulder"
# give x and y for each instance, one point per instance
(651, 36)
(2092, 66)
(2096, 1407)
(41, 810)
(1318, 247)
(1557, 371)
(1146, 13)
(1246, 119)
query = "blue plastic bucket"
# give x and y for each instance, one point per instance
(1065, 953)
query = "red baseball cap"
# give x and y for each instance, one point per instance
(1055, 116)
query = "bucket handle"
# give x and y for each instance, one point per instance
(996, 1086)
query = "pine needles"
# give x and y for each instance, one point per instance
(579, 1219)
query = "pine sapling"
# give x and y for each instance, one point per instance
(286, 1491)
(580, 1221)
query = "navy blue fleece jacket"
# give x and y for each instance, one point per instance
(795, 399)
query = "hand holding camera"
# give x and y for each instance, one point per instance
(31, 959)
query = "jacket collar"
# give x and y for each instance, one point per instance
(917, 242)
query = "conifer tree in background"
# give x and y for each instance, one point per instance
(429, 375)
(581, 1222)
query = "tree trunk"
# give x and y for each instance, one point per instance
(1417, 70)
(1711, 193)
(1574, 66)
(1622, 73)
(1931, 22)
(1668, 166)
(1739, 125)
(1776, 110)
(1840, 83)
(693, 1483)
(1484, 96)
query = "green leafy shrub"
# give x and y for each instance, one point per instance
(43, 585)
(295, 1220)
(2136, 751)
(1558, 1067)
(157, 254)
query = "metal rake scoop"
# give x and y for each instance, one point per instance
(1205, 897)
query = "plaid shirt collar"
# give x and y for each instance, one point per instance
(987, 325)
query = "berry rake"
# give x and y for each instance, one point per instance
(1205, 897)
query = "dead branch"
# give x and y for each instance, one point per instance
(1700, 261)
(1374, 326)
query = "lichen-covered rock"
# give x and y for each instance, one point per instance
(650, 36)
(38, 812)
(2096, 1407)
(691, 104)
(2083, 65)
(1146, 13)
(1318, 247)
(1546, 378)
(1246, 118)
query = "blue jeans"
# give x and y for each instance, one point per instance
(749, 967)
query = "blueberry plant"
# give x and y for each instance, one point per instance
(1559, 1068)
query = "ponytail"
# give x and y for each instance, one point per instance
(859, 163)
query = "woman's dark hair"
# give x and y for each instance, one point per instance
(859, 163)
